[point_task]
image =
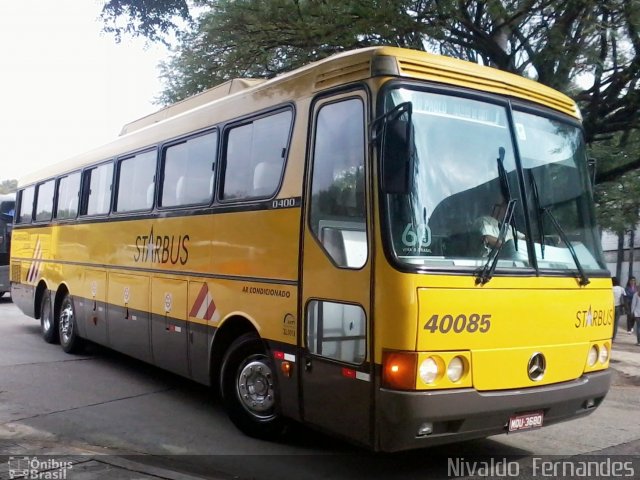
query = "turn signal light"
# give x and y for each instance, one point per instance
(399, 370)
(285, 367)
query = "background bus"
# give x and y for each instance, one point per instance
(314, 246)
(7, 207)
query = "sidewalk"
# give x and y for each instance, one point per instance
(87, 467)
(29, 459)
(625, 357)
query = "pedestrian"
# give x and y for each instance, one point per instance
(618, 302)
(635, 309)
(629, 292)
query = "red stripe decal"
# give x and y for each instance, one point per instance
(210, 310)
(198, 303)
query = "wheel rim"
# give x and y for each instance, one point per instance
(255, 387)
(66, 323)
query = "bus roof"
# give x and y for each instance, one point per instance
(227, 88)
(202, 110)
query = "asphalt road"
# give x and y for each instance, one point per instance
(105, 403)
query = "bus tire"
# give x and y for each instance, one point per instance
(248, 388)
(68, 326)
(48, 324)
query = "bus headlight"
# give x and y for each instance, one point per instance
(593, 355)
(429, 370)
(604, 354)
(455, 369)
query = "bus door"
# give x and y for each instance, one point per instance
(336, 367)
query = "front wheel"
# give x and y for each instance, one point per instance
(68, 327)
(248, 388)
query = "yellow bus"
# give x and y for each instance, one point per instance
(394, 247)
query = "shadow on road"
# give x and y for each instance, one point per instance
(344, 462)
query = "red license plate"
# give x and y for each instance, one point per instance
(526, 421)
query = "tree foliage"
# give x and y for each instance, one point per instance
(553, 41)
(8, 186)
(262, 38)
(618, 199)
(153, 19)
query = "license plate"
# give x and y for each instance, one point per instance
(526, 421)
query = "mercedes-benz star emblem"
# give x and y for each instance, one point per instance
(537, 366)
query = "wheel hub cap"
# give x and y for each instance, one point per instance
(66, 322)
(255, 387)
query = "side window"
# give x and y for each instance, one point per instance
(68, 195)
(26, 205)
(338, 216)
(44, 202)
(336, 330)
(97, 189)
(136, 182)
(189, 171)
(255, 155)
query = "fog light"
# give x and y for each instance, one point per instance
(455, 369)
(593, 355)
(604, 354)
(429, 370)
(425, 429)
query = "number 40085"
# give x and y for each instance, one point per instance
(458, 324)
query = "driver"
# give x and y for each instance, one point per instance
(489, 227)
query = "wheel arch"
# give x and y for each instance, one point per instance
(62, 291)
(232, 328)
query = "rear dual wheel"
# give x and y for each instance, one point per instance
(68, 327)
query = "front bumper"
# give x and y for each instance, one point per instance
(464, 414)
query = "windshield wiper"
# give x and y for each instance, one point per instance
(486, 273)
(506, 191)
(584, 280)
(489, 268)
(539, 211)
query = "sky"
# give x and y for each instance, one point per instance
(66, 87)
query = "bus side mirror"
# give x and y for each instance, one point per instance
(397, 152)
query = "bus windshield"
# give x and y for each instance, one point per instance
(464, 174)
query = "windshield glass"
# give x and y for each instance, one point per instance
(464, 174)
(555, 172)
